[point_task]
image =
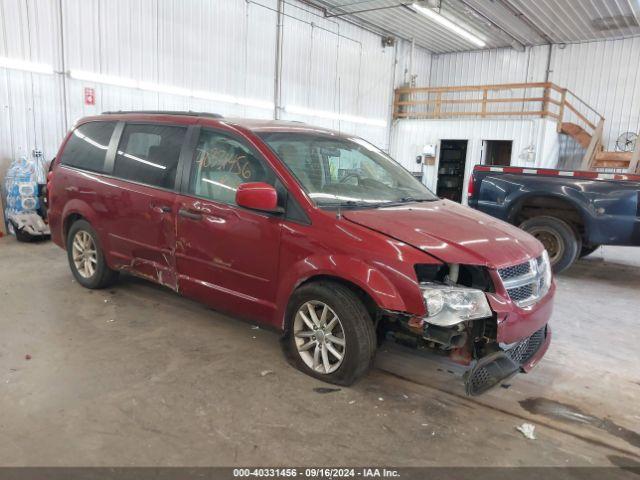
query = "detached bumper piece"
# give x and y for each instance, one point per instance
(497, 366)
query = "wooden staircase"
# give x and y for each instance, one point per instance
(574, 117)
(596, 156)
(578, 133)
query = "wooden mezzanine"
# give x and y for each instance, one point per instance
(535, 99)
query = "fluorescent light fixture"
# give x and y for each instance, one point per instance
(445, 22)
(141, 160)
(89, 140)
(15, 64)
(218, 184)
(108, 79)
(334, 116)
(168, 89)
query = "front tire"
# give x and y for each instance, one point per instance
(557, 236)
(330, 334)
(86, 258)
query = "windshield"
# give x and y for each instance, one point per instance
(345, 172)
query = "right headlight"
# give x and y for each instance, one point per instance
(544, 267)
(449, 305)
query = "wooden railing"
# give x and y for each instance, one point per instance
(535, 99)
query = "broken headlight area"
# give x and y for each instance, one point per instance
(457, 310)
(449, 305)
(459, 323)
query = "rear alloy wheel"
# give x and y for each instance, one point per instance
(559, 239)
(86, 258)
(85, 254)
(330, 334)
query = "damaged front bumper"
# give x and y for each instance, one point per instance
(498, 366)
(513, 340)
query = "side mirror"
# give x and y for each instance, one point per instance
(258, 196)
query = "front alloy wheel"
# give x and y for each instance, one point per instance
(330, 333)
(319, 337)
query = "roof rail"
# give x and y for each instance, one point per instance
(166, 112)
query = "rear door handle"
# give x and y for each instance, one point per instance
(190, 215)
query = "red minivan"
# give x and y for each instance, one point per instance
(318, 234)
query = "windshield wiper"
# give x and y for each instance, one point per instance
(354, 204)
(412, 199)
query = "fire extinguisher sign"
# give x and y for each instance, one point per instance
(89, 96)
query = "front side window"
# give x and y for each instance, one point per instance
(345, 171)
(221, 164)
(149, 154)
(88, 145)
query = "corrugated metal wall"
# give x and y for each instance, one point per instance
(488, 67)
(227, 47)
(606, 75)
(31, 115)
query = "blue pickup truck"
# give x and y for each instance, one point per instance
(571, 212)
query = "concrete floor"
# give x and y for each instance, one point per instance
(136, 375)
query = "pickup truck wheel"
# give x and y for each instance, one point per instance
(558, 238)
(588, 250)
(86, 258)
(330, 333)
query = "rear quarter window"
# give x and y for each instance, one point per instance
(87, 146)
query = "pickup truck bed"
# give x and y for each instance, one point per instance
(571, 212)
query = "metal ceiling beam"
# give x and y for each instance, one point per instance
(358, 21)
(515, 43)
(354, 12)
(515, 11)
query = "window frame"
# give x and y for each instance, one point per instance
(186, 173)
(115, 144)
(294, 213)
(105, 161)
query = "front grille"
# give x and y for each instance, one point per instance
(525, 282)
(520, 294)
(527, 348)
(480, 381)
(514, 271)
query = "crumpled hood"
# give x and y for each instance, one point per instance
(451, 232)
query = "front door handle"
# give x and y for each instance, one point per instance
(190, 215)
(160, 208)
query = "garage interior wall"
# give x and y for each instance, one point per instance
(219, 47)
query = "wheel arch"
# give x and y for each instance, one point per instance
(562, 207)
(75, 210)
(368, 301)
(372, 286)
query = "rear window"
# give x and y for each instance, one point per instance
(149, 154)
(87, 146)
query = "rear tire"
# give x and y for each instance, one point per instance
(312, 346)
(557, 236)
(588, 250)
(86, 258)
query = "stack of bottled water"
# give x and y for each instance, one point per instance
(21, 187)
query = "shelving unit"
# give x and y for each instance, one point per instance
(453, 155)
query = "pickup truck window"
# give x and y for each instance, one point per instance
(345, 172)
